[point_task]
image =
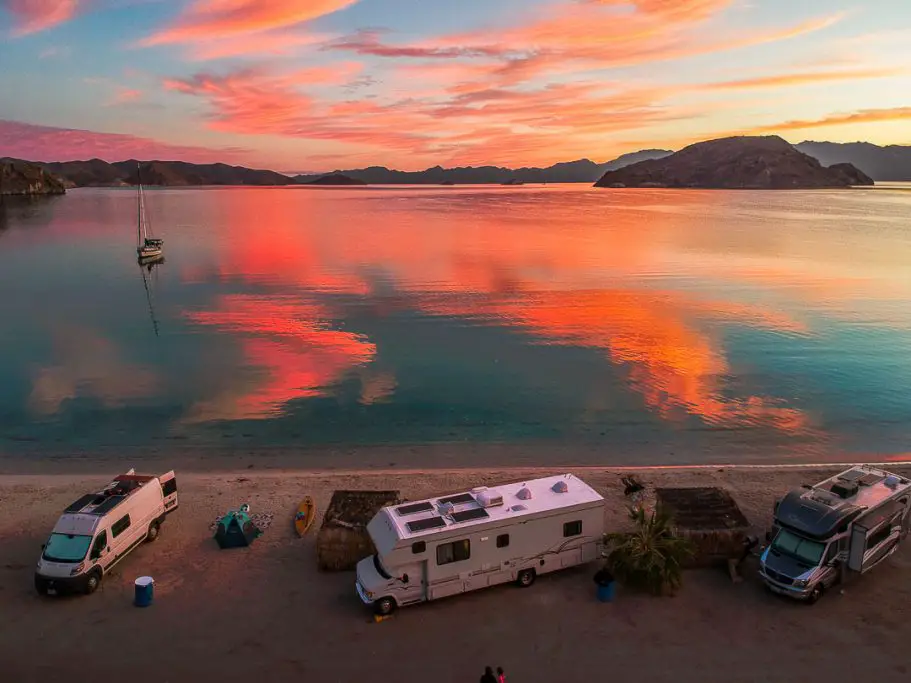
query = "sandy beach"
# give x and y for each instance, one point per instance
(265, 613)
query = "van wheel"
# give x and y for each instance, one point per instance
(92, 583)
(525, 578)
(815, 595)
(154, 530)
(41, 585)
(385, 606)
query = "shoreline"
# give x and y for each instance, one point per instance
(424, 457)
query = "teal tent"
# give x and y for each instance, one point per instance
(236, 529)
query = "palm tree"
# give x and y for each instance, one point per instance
(652, 556)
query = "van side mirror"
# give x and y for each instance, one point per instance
(43, 546)
(404, 578)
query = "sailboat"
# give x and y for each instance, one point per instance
(148, 248)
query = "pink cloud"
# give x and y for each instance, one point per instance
(46, 143)
(124, 96)
(32, 16)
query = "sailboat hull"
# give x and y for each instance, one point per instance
(149, 253)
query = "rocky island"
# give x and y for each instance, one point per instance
(744, 162)
(24, 178)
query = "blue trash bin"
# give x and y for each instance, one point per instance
(606, 592)
(145, 590)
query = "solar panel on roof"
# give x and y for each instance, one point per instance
(425, 524)
(456, 500)
(467, 515)
(107, 505)
(81, 503)
(414, 508)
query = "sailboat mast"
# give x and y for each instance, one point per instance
(138, 206)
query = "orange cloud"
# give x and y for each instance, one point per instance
(805, 78)
(243, 22)
(32, 16)
(124, 96)
(862, 116)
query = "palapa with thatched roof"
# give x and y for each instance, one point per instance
(343, 539)
(710, 519)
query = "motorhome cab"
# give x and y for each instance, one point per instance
(100, 529)
(848, 523)
(438, 547)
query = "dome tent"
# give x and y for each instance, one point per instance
(236, 529)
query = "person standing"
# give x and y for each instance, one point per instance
(501, 676)
(488, 676)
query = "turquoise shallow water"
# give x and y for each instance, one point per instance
(680, 326)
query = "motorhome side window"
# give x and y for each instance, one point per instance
(503, 541)
(418, 547)
(120, 526)
(572, 529)
(879, 536)
(458, 551)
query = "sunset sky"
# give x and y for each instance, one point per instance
(309, 85)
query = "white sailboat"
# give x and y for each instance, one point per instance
(148, 248)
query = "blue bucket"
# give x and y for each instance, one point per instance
(145, 589)
(606, 592)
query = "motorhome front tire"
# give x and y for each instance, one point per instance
(384, 606)
(815, 595)
(526, 577)
(154, 530)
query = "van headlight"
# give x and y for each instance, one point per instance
(800, 583)
(78, 568)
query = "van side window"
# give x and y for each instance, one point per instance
(120, 526)
(101, 542)
(418, 547)
(572, 529)
(457, 551)
(503, 541)
(169, 487)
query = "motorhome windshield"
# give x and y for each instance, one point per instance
(66, 548)
(803, 549)
(381, 570)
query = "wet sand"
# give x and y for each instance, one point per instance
(266, 614)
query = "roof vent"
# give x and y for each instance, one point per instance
(524, 493)
(891, 481)
(844, 489)
(560, 487)
(489, 498)
(447, 509)
(518, 508)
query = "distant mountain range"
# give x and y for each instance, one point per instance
(741, 162)
(880, 163)
(892, 162)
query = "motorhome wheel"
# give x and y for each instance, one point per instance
(526, 578)
(41, 585)
(815, 595)
(385, 606)
(152, 534)
(92, 583)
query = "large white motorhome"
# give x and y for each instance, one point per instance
(100, 529)
(845, 524)
(438, 547)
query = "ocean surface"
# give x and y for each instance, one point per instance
(650, 326)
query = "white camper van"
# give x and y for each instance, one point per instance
(100, 529)
(438, 547)
(842, 526)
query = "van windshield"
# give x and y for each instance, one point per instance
(66, 548)
(381, 570)
(801, 548)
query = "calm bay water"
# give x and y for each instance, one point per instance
(663, 326)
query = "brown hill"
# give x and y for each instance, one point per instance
(761, 163)
(19, 177)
